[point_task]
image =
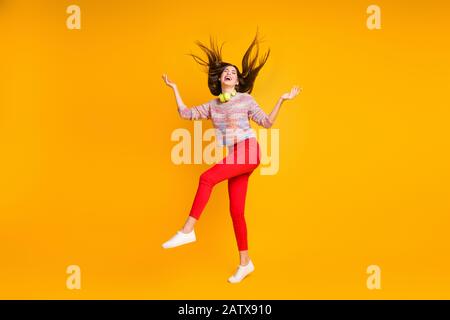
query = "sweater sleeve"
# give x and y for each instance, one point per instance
(202, 111)
(257, 114)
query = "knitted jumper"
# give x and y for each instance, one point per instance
(230, 119)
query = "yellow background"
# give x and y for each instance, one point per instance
(87, 179)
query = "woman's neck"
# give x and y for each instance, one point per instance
(227, 89)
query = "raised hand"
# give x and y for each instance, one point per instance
(168, 82)
(292, 94)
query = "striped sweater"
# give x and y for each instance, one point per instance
(231, 118)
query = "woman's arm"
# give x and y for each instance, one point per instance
(287, 96)
(260, 117)
(273, 115)
(194, 113)
(173, 85)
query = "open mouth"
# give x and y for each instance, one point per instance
(227, 78)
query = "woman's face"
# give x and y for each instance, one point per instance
(229, 76)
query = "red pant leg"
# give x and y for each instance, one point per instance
(227, 168)
(237, 190)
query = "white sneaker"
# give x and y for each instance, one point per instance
(242, 272)
(179, 239)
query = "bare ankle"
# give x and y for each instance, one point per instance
(187, 229)
(245, 261)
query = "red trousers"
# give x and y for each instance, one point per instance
(237, 167)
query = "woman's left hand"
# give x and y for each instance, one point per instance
(291, 95)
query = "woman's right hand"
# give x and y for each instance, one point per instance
(168, 82)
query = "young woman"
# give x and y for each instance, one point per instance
(230, 114)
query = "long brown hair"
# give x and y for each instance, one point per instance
(215, 65)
